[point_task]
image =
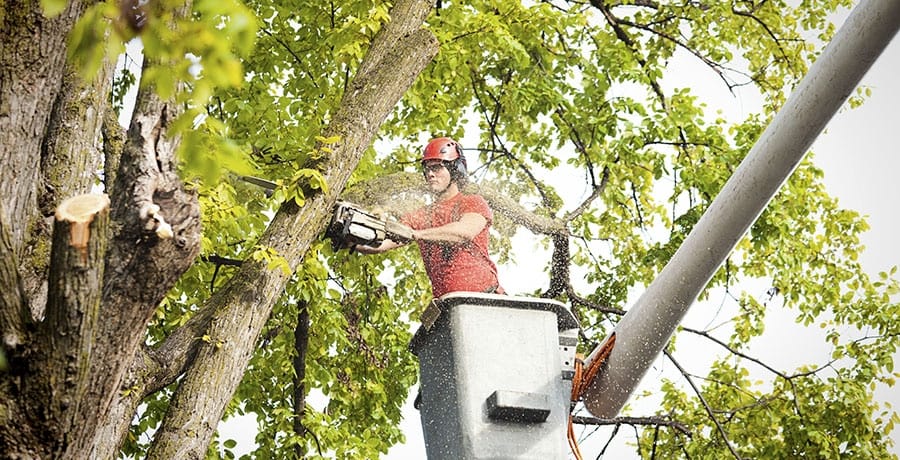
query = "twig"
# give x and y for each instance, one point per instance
(709, 410)
(634, 421)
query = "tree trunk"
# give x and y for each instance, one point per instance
(73, 309)
(57, 424)
(37, 103)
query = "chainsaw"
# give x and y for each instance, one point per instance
(352, 225)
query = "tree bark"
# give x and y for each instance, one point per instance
(156, 239)
(32, 70)
(244, 304)
(73, 313)
(54, 400)
(14, 312)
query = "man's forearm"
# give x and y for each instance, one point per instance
(461, 231)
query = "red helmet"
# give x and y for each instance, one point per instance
(451, 153)
(442, 148)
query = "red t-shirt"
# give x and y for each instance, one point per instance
(456, 266)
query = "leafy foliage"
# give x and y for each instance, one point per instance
(535, 90)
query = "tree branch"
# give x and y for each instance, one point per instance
(578, 300)
(736, 352)
(301, 344)
(73, 318)
(241, 308)
(634, 421)
(709, 410)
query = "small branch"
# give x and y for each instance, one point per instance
(634, 421)
(637, 207)
(597, 191)
(736, 352)
(765, 27)
(300, 62)
(788, 378)
(709, 410)
(578, 300)
(491, 120)
(219, 260)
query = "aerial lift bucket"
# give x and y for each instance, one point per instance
(495, 376)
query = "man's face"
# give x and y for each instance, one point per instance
(437, 176)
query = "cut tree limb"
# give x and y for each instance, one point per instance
(77, 261)
(74, 217)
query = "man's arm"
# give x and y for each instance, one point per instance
(468, 226)
(464, 230)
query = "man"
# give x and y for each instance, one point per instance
(452, 233)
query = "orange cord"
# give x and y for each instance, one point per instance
(576, 391)
(581, 380)
(573, 443)
(592, 371)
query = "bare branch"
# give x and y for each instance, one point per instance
(578, 300)
(634, 421)
(595, 193)
(709, 410)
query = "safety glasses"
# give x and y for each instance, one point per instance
(432, 167)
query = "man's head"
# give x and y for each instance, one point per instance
(447, 152)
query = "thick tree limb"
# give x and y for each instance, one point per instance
(407, 17)
(47, 115)
(154, 239)
(113, 428)
(73, 319)
(32, 66)
(242, 307)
